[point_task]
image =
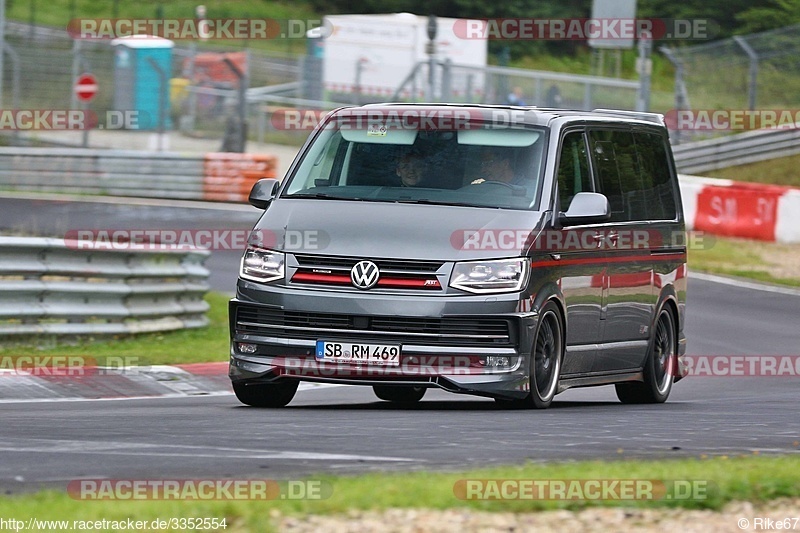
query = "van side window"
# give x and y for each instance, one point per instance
(573, 169)
(617, 164)
(658, 190)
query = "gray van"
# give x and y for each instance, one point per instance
(504, 252)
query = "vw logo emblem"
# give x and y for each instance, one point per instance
(364, 274)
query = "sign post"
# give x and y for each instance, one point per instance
(85, 89)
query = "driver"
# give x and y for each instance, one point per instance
(497, 164)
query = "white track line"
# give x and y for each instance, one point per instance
(744, 284)
(168, 396)
(146, 449)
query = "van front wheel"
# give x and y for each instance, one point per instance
(266, 394)
(546, 356)
(399, 394)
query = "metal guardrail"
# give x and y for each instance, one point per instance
(739, 149)
(211, 176)
(112, 172)
(49, 287)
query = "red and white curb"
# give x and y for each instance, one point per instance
(94, 383)
(133, 382)
(738, 209)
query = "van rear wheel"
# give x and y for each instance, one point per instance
(399, 394)
(659, 368)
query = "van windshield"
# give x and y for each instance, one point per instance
(482, 166)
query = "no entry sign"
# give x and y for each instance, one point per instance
(86, 87)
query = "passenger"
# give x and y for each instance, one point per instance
(410, 169)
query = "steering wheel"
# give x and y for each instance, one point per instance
(492, 182)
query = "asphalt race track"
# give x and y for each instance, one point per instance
(346, 429)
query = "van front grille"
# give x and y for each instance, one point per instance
(450, 331)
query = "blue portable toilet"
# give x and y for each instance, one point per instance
(137, 83)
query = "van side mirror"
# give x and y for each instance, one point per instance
(586, 208)
(263, 192)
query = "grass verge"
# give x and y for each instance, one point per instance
(780, 171)
(745, 478)
(767, 262)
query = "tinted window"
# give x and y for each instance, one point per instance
(617, 164)
(658, 191)
(633, 173)
(573, 169)
(479, 165)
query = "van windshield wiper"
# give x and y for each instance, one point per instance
(440, 202)
(321, 195)
(311, 195)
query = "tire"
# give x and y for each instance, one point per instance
(399, 394)
(546, 355)
(266, 394)
(659, 368)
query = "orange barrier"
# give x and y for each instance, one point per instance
(228, 177)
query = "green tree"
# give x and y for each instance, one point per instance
(773, 14)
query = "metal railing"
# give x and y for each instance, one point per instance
(48, 286)
(739, 149)
(211, 176)
(112, 172)
(755, 71)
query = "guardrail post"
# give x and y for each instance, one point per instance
(446, 79)
(753, 85)
(681, 96)
(644, 66)
(587, 96)
(15, 63)
(241, 138)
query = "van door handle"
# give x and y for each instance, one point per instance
(610, 237)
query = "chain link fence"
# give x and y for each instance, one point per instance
(745, 72)
(42, 64)
(206, 97)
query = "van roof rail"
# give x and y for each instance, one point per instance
(658, 118)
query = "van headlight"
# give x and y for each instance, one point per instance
(505, 275)
(262, 265)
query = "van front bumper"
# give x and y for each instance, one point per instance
(450, 357)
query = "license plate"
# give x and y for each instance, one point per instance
(359, 353)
